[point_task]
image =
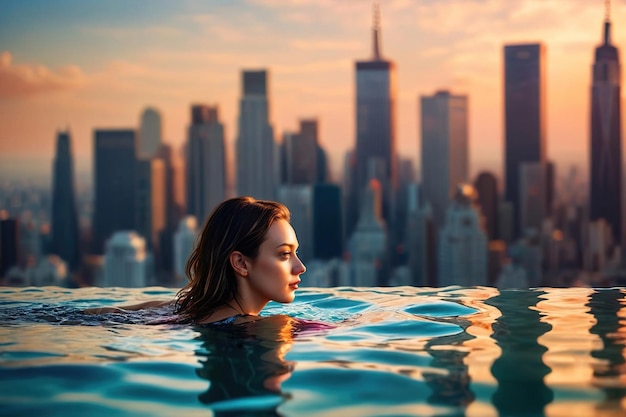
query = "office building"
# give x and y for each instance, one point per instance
(299, 201)
(462, 244)
(9, 242)
(184, 243)
(64, 220)
(486, 186)
(445, 154)
(301, 151)
(368, 244)
(327, 222)
(375, 124)
(257, 174)
(150, 133)
(115, 164)
(524, 117)
(420, 238)
(150, 201)
(206, 162)
(606, 137)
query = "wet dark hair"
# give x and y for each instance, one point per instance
(238, 224)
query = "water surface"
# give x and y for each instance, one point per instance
(399, 351)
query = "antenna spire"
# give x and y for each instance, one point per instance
(376, 31)
(607, 22)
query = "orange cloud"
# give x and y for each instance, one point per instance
(27, 80)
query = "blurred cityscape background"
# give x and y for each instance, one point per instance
(426, 143)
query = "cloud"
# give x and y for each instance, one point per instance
(28, 80)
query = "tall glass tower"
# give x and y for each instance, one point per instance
(115, 164)
(256, 174)
(524, 116)
(375, 127)
(606, 133)
(65, 236)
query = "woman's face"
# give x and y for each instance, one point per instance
(275, 273)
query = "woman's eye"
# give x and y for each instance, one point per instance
(285, 255)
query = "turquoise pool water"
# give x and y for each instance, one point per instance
(399, 351)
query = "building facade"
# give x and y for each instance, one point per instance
(445, 157)
(524, 116)
(606, 136)
(114, 184)
(64, 219)
(257, 175)
(206, 162)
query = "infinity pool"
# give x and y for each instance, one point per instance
(399, 351)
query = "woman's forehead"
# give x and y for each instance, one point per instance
(281, 232)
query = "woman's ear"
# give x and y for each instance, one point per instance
(238, 262)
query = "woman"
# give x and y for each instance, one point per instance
(245, 257)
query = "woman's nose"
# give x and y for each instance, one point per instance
(299, 267)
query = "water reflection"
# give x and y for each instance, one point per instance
(451, 387)
(245, 365)
(607, 307)
(520, 369)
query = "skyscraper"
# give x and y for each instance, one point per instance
(327, 222)
(9, 242)
(302, 153)
(150, 201)
(445, 159)
(368, 244)
(206, 162)
(375, 123)
(524, 116)
(114, 184)
(150, 133)
(606, 133)
(184, 241)
(299, 200)
(462, 254)
(64, 221)
(486, 185)
(256, 174)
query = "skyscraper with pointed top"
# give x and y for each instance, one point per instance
(64, 224)
(606, 133)
(375, 123)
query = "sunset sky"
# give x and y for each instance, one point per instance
(87, 65)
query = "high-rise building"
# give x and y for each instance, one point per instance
(445, 154)
(486, 185)
(327, 222)
(299, 201)
(9, 242)
(256, 174)
(206, 162)
(302, 153)
(125, 261)
(524, 116)
(420, 238)
(174, 204)
(462, 255)
(150, 201)
(65, 234)
(184, 242)
(532, 198)
(115, 164)
(368, 244)
(150, 133)
(606, 135)
(375, 124)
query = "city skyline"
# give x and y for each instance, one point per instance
(98, 66)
